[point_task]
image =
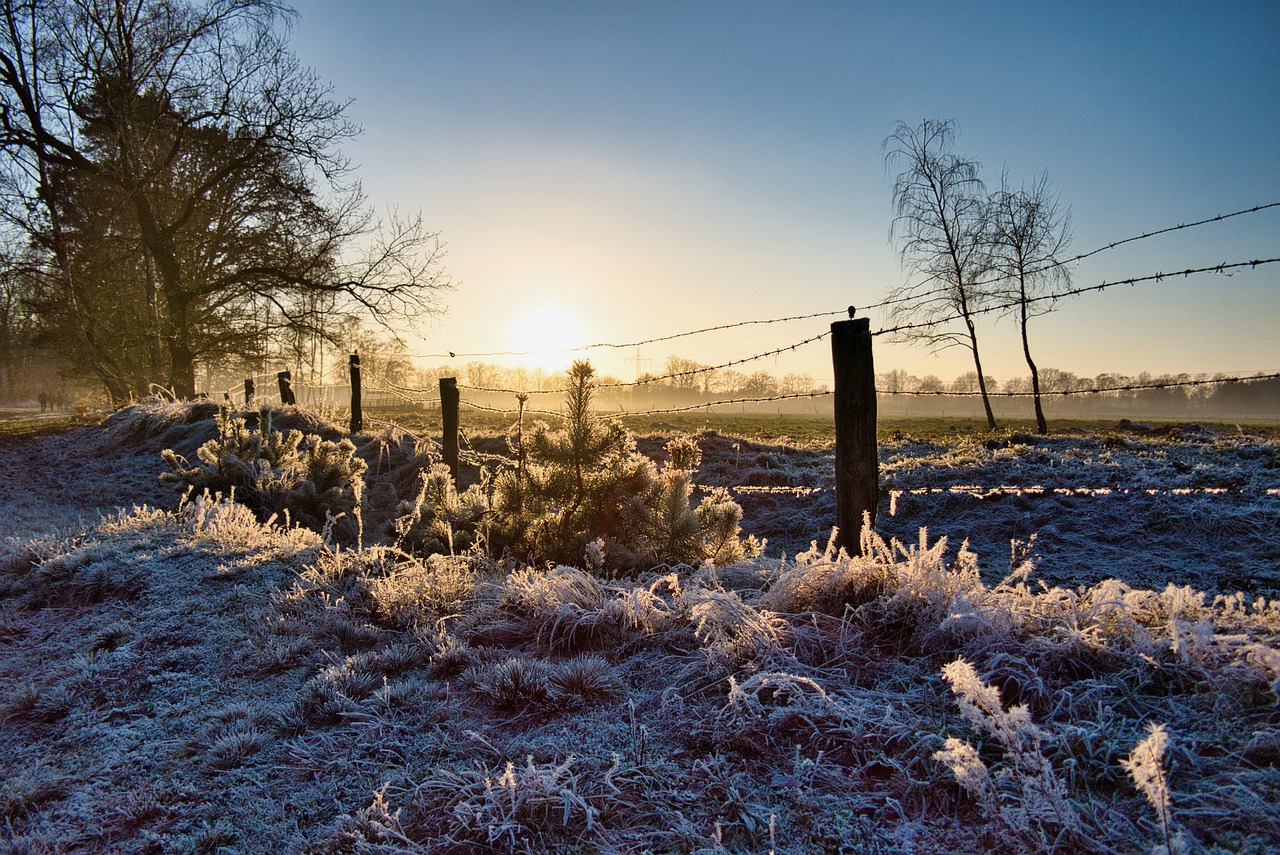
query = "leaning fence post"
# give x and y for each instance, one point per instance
(248, 391)
(285, 379)
(857, 457)
(449, 397)
(357, 416)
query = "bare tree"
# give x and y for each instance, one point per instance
(17, 322)
(1030, 233)
(940, 228)
(224, 157)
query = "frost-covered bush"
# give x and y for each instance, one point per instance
(584, 485)
(309, 478)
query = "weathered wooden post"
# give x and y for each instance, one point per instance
(857, 457)
(285, 380)
(248, 391)
(357, 415)
(449, 398)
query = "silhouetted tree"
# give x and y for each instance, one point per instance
(224, 157)
(1030, 233)
(17, 321)
(940, 228)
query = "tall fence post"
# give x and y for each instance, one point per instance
(248, 391)
(449, 397)
(857, 457)
(285, 380)
(357, 415)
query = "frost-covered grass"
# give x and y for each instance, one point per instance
(191, 679)
(184, 681)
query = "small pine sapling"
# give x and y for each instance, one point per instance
(585, 482)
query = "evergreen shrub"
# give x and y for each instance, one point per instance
(309, 479)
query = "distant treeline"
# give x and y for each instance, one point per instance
(692, 385)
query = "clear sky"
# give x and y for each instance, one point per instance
(619, 170)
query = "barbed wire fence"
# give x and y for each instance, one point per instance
(418, 396)
(378, 389)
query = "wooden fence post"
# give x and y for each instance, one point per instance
(248, 391)
(449, 397)
(857, 456)
(285, 380)
(357, 415)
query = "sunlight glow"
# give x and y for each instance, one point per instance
(548, 332)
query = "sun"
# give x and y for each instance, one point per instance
(548, 334)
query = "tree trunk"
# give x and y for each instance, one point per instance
(182, 368)
(162, 258)
(1042, 427)
(982, 381)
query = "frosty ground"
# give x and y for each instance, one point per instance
(192, 680)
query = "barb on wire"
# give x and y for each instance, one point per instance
(602, 345)
(1129, 387)
(1155, 277)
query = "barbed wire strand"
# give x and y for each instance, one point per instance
(706, 405)
(1131, 387)
(888, 301)
(648, 381)
(615, 346)
(1059, 295)
(923, 296)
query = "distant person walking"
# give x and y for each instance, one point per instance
(44, 401)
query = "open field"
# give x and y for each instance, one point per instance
(803, 430)
(190, 679)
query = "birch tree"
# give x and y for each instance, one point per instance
(940, 231)
(1030, 235)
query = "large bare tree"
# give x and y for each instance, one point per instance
(1030, 234)
(222, 156)
(940, 229)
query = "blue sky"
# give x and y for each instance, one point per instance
(650, 167)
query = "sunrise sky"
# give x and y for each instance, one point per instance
(615, 171)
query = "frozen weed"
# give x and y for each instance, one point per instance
(25, 793)
(418, 592)
(234, 744)
(1146, 768)
(451, 660)
(731, 631)
(110, 636)
(1026, 796)
(584, 679)
(542, 594)
(43, 704)
(513, 683)
(522, 808)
